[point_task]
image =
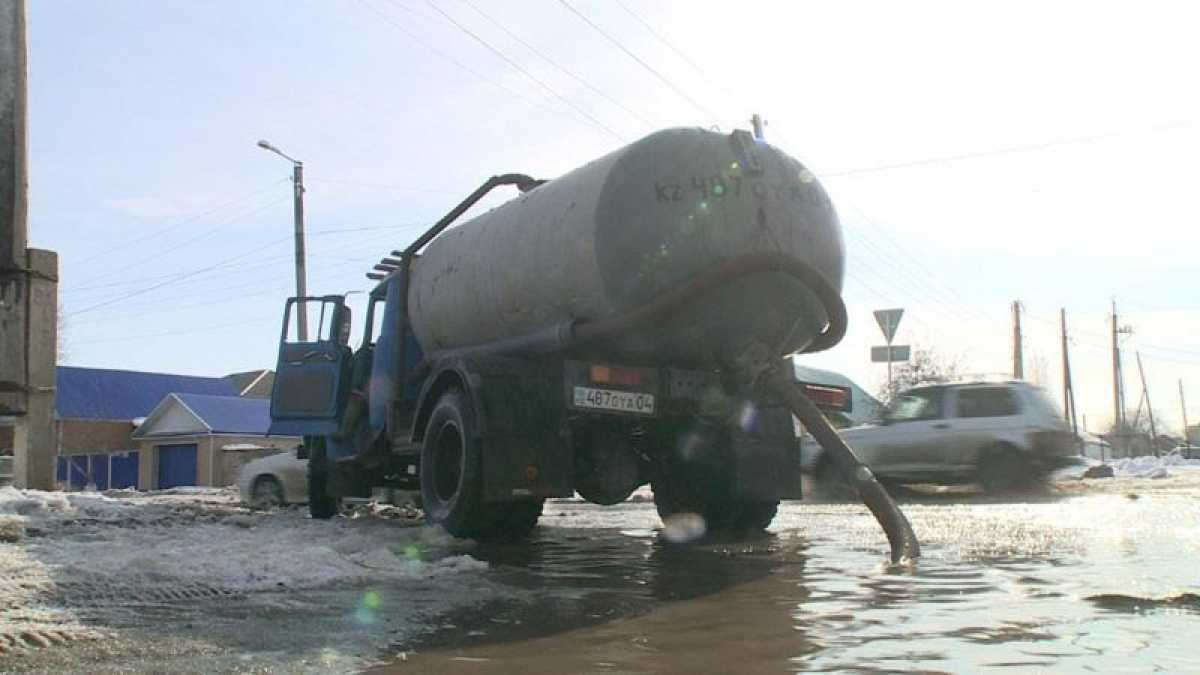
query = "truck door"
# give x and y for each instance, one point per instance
(311, 374)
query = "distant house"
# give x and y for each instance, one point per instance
(97, 410)
(199, 439)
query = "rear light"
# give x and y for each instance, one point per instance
(629, 377)
(836, 398)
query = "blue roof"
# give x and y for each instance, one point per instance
(97, 393)
(231, 414)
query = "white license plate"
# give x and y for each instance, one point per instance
(618, 401)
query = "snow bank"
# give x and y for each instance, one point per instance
(71, 561)
(155, 539)
(1152, 467)
(37, 507)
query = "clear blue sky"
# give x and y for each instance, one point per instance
(977, 155)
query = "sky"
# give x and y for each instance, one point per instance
(1046, 153)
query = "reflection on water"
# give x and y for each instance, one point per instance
(1097, 583)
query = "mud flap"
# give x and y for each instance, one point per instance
(766, 457)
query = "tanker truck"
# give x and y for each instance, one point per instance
(623, 324)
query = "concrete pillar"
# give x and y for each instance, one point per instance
(35, 446)
(28, 279)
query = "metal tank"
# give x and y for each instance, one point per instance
(618, 232)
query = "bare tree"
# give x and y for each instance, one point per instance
(926, 366)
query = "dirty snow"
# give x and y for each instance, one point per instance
(1134, 467)
(74, 559)
(1152, 467)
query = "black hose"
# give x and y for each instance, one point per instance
(899, 531)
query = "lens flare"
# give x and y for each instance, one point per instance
(748, 416)
(682, 528)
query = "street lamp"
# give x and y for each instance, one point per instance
(298, 210)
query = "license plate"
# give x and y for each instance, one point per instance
(617, 401)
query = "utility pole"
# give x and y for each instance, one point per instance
(1018, 361)
(28, 278)
(298, 216)
(757, 123)
(1118, 421)
(1068, 388)
(1187, 441)
(1149, 409)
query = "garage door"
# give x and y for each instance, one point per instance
(176, 465)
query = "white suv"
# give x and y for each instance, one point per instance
(1002, 434)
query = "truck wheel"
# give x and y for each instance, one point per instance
(682, 494)
(521, 518)
(1002, 470)
(321, 506)
(451, 485)
(756, 516)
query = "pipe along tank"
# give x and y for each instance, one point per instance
(616, 233)
(622, 324)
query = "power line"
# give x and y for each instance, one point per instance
(663, 40)
(462, 66)
(205, 329)
(1033, 147)
(181, 277)
(383, 186)
(181, 223)
(569, 73)
(662, 78)
(553, 92)
(90, 283)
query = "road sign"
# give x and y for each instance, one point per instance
(889, 321)
(890, 353)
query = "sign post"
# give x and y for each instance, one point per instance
(889, 321)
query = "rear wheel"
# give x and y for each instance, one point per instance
(320, 505)
(451, 484)
(704, 487)
(521, 518)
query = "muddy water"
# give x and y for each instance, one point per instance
(1101, 579)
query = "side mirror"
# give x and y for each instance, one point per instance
(302, 451)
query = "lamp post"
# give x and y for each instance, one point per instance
(298, 210)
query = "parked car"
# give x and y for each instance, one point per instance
(274, 480)
(1002, 434)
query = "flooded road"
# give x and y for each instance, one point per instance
(1098, 579)
(1097, 575)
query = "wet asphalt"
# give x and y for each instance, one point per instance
(1080, 576)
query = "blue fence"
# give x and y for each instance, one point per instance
(106, 471)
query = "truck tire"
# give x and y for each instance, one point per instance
(755, 516)
(321, 506)
(521, 518)
(451, 471)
